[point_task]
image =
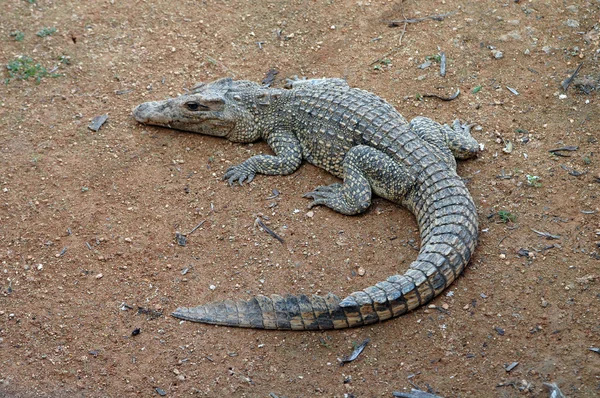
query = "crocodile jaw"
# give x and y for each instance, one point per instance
(168, 113)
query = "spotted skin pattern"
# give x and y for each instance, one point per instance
(360, 138)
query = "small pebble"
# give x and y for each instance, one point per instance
(361, 271)
(572, 23)
(510, 367)
(212, 287)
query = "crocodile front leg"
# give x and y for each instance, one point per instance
(366, 170)
(287, 159)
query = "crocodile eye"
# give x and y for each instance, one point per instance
(192, 106)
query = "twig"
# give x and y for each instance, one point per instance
(268, 230)
(196, 227)
(568, 148)
(567, 82)
(395, 49)
(357, 351)
(438, 17)
(444, 98)
(546, 234)
(572, 171)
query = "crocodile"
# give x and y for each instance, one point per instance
(362, 139)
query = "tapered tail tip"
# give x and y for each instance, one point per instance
(182, 313)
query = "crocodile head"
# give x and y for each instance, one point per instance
(214, 108)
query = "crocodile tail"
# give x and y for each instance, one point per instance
(289, 312)
(447, 220)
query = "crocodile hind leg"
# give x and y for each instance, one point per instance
(451, 142)
(366, 171)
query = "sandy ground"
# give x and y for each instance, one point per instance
(88, 219)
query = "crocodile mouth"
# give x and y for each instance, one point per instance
(149, 112)
(157, 114)
(213, 127)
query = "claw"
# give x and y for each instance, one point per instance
(323, 195)
(464, 129)
(240, 174)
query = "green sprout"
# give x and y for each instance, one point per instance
(533, 181)
(506, 216)
(23, 67)
(46, 32)
(18, 35)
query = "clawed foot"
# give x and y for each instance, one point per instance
(324, 195)
(464, 129)
(240, 173)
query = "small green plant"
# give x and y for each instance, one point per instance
(533, 181)
(419, 97)
(23, 67)
(64, 59)
(506, 216)
(587, 160)
(476, 89)
(18, 35)
(46, 32)
(435, 58)
(382, 63)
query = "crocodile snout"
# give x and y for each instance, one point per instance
(141, 112)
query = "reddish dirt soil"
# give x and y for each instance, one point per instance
(88, 219)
